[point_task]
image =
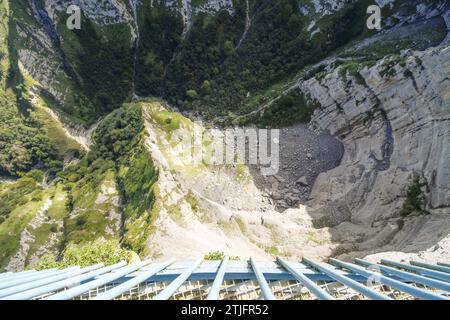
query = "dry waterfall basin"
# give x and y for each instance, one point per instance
(230, 214)
(350, 203)
(353, 209)
(354, 164)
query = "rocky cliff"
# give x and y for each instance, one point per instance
(364, 120)
(393, 119)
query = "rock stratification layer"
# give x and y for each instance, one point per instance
(394, 121)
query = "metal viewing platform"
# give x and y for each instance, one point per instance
(233, 280)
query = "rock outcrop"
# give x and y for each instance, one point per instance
(202, 208)
(393, 119)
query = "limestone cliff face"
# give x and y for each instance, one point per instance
(103, 12)
(65, 63)
(392, 118)
(394, 121)
(73, 66)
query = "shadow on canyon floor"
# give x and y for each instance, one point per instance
(303, 155)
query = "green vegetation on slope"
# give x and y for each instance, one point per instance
(160, 34)
(71, 102)
(118, 133)
(94, 210)
(93, 181)
(17, 194)
(24, 143)
(19, 202)
(117, 168)
(54, 130)
(107, 195)
(4, 28)
(415, 199)
(218, 255)
(102, 57)
(100, 251)
(291, 108)
(136, 178)
(29, 137)
(276, 48)
(48, 236)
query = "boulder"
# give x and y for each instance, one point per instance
(302, 181)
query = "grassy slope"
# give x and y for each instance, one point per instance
(89, 218)
(29, 137)
(102, 57)
(55, 131)
(85, 198)
(118, 159)
(4, 61)
(51, 227)
(21, 212)
(72, 104)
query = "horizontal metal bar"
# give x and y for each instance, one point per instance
(38, 283)
(378, 277)
(33, 276)
(305, 281)
(15, 275)
(174, 285)
(264, 286)
(118, 290)
(79, 290)
(444, 264)
(167, 276)
(215, 288)
(423, 271)
(67, 283)
(430, 266)
(366, 291)
(238, 270)
(406, 275)
(7, 273)
(7, 276)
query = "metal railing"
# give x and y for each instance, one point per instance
(227, 279)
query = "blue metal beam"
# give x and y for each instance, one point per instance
(312, 286)
(423, 271)
(431, 266)
(240, 269)
(366, 291)
(215, 288)
(412, 290)
(67, 283)
(174, 285)
(118, 290)
(79, 290)
(265, 289)
(407, 275)
(47, 280)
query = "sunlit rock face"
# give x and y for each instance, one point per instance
(373, 134)
(394, 127)
(104, 12)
